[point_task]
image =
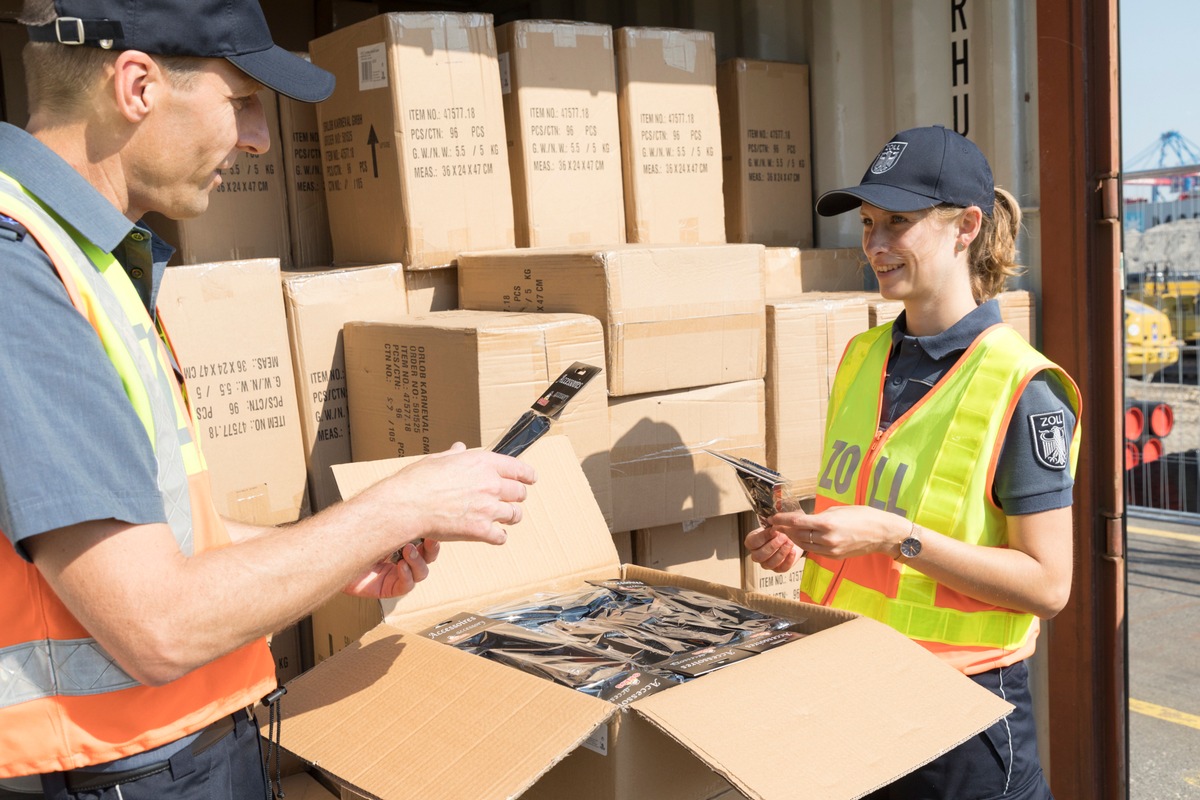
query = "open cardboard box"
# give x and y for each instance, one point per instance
(836, 714)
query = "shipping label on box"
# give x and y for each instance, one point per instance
(247, 215)
(564, 144)
(670, 136)
(805, 341)
(420, 384)
(674, 317)
(226, 323)
(308, 217)
(660, 472)
(318, 304)
(416, 168)
(766, 152)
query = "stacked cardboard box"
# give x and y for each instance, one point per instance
(791, 271)
(660, 472)
(421, 383)
(413, 139)
(1017, 309)
(883, 310)
(310, 244)
(564, 144)
(674, 317)
(708, 550)
(670, 136)
(766, 151)
(318, 304)
(227, 325)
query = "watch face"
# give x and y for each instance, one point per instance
(910, 548)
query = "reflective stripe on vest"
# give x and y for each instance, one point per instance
(64, 702)
(934, 465)
(42, 669)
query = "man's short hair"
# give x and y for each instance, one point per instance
(59, 77)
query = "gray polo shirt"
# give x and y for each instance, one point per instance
(71, 447)
(1027, 481)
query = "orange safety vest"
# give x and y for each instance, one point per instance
(64, 702)
(934, 465)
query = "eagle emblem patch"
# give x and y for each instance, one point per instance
(1050, 439)
(888, 157)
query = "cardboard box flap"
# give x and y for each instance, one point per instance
(396, 715)
(561, 540)
(815, 695)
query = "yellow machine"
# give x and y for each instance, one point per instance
(1176, 294)
(1149, 344)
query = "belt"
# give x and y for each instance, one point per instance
(80, 781)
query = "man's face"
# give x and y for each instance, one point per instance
(196, 129)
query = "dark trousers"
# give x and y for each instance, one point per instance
(231, 769)
(1001, 762)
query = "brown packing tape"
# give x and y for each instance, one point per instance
(655, 329)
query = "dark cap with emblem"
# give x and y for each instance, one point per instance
(235, 30)
(919, 168)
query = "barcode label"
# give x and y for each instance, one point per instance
(372, 67)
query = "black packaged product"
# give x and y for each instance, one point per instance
(767, 490)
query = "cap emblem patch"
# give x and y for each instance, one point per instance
(1049, 433)
(888, 157)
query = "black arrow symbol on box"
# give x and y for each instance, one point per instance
(373, 140)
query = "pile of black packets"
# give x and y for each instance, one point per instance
(618, 640)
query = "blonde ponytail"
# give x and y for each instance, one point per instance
(994, 251)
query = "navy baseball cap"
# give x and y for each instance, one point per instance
(919, 168)
(235, 30)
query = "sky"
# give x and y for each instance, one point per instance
(1160, 77)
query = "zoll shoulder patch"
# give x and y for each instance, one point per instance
(1049, 433)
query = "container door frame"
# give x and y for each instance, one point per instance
(1079, 140)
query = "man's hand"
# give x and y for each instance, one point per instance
(388, 579)
(457, 495)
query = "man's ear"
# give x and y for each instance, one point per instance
(138, 84)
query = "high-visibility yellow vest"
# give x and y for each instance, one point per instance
(934, 465)
(64, 702)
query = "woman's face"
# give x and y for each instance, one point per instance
(913, 253)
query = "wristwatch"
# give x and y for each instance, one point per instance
(910, 546)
